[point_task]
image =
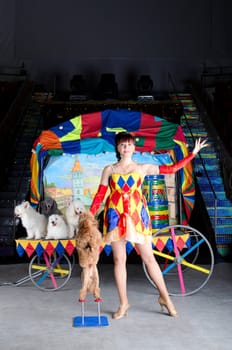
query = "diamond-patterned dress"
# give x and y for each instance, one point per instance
(126, 214)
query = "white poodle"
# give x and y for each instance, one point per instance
(34, 222)
(72, 214)
(57, 228)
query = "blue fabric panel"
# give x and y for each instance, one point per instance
(63, 129)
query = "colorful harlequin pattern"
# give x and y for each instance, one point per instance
(31, 246)
(126, 200)
(165, 242)
(38, 247)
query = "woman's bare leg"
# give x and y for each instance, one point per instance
(155, 273)
(120, 273)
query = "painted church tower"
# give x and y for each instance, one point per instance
(77, 181)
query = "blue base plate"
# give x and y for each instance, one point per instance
(90, 321)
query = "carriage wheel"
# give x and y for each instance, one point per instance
(185, 257)
(50, 272)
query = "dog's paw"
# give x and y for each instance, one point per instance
(82, 296)
(38, 237)
(97, 294)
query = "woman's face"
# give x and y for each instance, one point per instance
(126, 148)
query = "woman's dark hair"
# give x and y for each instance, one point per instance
(122, 137)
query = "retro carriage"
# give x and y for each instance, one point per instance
(66, 164)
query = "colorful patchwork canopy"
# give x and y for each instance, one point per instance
(94, 133)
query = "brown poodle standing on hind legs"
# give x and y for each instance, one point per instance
(88, 242)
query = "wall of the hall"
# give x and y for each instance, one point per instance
(126, 37)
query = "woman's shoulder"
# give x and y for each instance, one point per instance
(109, 168)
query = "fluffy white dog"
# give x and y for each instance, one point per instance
(34, 222)
(57, 228)
(72, 214)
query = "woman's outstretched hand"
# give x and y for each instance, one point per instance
(199, 145)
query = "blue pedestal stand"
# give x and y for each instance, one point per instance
(90, 321)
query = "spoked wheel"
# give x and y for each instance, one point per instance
(185, 257)
(50, 272)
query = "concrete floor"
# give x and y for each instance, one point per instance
(35, 319)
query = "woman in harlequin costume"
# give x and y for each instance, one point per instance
(126, 216)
